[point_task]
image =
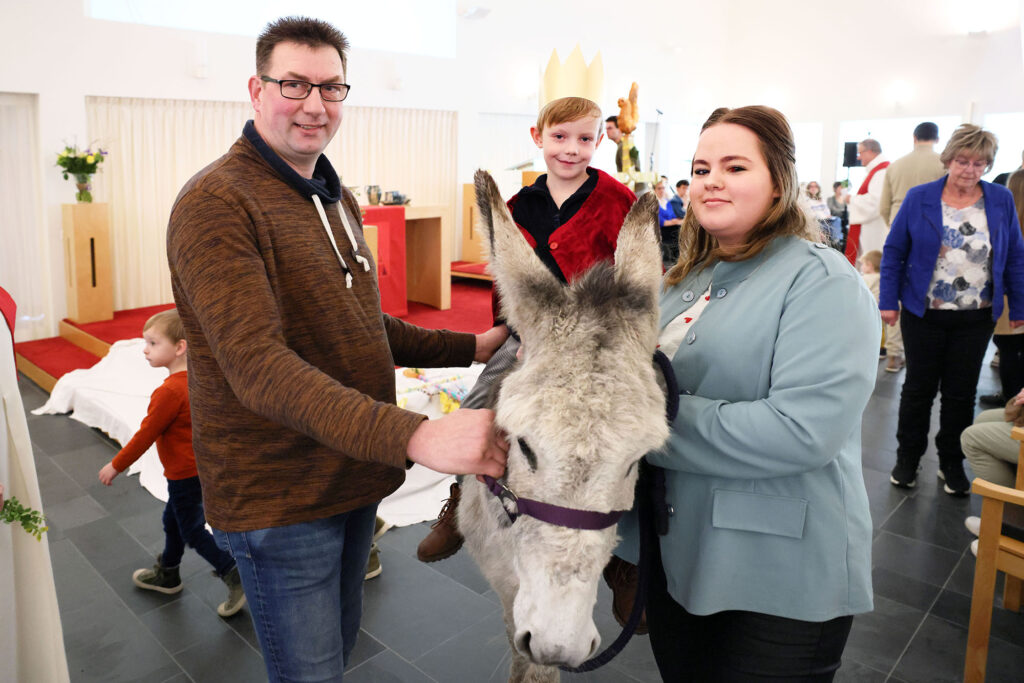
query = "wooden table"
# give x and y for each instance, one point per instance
(428, 259)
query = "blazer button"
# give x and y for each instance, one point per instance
(721, 293)
(553, 245)
(692, 337)
(688, 295)
(671, 511)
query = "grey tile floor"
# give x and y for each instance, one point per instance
(440, 622)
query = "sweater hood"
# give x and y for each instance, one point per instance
(325, 183)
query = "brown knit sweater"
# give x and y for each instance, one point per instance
(291, 374)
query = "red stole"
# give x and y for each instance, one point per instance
(853, 236)
(7, 310)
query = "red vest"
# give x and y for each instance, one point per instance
(853, 236)
(591, 234)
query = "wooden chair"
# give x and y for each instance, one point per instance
(996, 552)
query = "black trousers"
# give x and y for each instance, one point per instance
(944, 351)
(736, 646)
(1011, 362)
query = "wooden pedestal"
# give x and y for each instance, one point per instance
(88, 275)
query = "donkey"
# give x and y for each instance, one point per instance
(580, 408)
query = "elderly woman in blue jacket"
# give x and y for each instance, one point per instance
(953, 251)
(767, 555)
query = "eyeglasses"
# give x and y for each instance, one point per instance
(964, 163)
(299, 90)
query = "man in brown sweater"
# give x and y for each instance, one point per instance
(296, 432)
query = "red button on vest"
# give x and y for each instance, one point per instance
(553, 245)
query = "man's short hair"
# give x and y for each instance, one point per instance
(871, 145)
(836, 184)
(168, 323)
(926, 132)
(682, 182)
(312, 33)
(613, 119)
(566, 109)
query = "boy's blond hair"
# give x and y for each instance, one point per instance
(168, 323)
(874, 258)
(568, 109)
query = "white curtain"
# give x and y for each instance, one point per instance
(154, 147)
(157, 145)
(24, 264)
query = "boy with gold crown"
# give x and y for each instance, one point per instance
(570, 216)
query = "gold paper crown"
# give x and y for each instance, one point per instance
(572, 79)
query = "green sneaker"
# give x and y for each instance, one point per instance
(379, 527)
(236, 596)
(160, 578)
(373, 568)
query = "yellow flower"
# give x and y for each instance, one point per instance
(89, 159)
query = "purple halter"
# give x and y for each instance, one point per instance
(552, 514)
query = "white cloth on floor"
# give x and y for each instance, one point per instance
(31, 637)
(113, 396)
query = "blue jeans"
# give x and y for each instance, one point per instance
(304, 584)
(185, 524)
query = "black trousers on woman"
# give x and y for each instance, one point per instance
(1011, 362)
(944, 351)
(736, 646)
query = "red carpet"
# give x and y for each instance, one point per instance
(470, 312)
(57, 356)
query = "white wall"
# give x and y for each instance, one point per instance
(820, 66)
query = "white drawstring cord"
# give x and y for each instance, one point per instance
(330, 236)
(352, 239)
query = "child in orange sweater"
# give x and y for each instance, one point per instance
(169, 424)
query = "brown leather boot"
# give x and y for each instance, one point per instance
(622, 577)
(444, 539)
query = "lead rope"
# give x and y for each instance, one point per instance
(650, 488)
(643, 570)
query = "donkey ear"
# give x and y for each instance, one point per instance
(522, 280)
(637, 252)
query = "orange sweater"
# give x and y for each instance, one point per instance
(169, 424)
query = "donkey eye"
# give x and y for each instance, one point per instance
(531, 457)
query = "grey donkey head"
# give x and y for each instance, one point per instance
(580, 409)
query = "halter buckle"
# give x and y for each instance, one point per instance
(509, 501)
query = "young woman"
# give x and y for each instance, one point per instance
(767, 555)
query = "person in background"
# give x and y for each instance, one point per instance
(867, 229)
(954, 251)
(837, 204)
(668, 221)
(993, 453)
(922, 165)
(1009, 341)
(768, 551)
(168, 424)
(870, 270)
(682, 198)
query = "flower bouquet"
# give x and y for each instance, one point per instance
(81, 165)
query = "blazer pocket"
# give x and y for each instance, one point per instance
(760, 513)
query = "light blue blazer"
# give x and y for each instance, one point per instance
(763, 465)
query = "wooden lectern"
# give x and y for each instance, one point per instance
(88, 276)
